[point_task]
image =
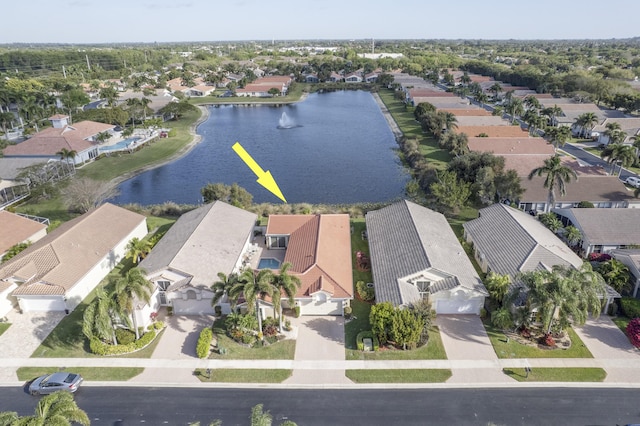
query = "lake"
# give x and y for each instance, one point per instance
(337, 148)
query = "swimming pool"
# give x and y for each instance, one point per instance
(120, 146)
(268, 263)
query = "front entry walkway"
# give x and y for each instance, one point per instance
(320, 340)
(464, 338)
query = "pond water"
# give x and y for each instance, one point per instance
(330, 148)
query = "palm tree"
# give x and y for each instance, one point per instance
(556, 176)
(616, 274)
(497, 285)
(564, 292)
(514, 108)
(618, 153)
(572, 235)
(66, 154)
(481, 98)
(57, 409)
(558, 136)
(286, 285)
(587, 122)
(253, 287)
(222, 287)
(532, 103)
(133, 287)
(533, 120)
(496, 89)
(98, 318)
(551, 113)
(137, 249)
(636, 144)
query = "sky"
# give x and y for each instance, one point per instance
(122, 21)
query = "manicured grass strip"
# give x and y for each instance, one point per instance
(243, 375)
(399, 376)
(284, 349)
(4, 326)
(557, 374)
(513, 349)
(98, 374)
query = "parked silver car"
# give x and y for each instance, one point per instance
(50, 383)
(633, 181)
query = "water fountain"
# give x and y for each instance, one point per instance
(285, 122)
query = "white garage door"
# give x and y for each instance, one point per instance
(42, 304)
(311, 307)
(458, 306)
(192, 307)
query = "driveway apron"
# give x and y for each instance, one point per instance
(178, 342)
(606, 341)
(464, 338)
(320, 340)
(26, 333)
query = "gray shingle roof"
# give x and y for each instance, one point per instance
(203, 242)
(513, 241)
(606, 226)
(406, 239)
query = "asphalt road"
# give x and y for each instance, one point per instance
(512, 406)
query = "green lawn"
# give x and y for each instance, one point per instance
(398, 376)
(557, 374)
(98, 374)
(240, 375)
(4, 326)
(117, 166)
(513, 349)
(284, 349)
(621, 321)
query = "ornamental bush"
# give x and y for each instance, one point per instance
(98, 347)
(124, 336)
(633, 331)
(365, 292)
(204, 343)
(630, 307)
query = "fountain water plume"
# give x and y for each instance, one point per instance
(285, 122)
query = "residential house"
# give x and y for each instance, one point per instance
(486, 120)
(631, 126)
(471, 111)
(185, 263)
(416, 255)
(630, 258)
(335, 77)
(46, 144)
(602, 191)
(353, 77)
(494, 132)
(17, 229)
(261, 86)
(318, 247)
(371, 77)
(509, 241)
(58, 271)
(603, 230)
(311, 78)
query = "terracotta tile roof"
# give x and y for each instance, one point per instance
(426, 93)
(582, 169)
(55, 264)
(16, 229)
(319, 251)
(523, 164)
(493, 131)
(511, 146)
(58, 117)
(459, 112)
(52, 140)
(489, 120)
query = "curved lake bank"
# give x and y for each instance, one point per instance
(338, 149)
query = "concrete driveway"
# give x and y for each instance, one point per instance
(319, 338)
(606, 341)
(464, 338)
(178, 342)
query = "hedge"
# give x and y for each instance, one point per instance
(367, 334)
(365, 292)
(630, 307)
(203, 346)
(98, 347)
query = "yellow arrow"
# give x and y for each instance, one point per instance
(264, 178)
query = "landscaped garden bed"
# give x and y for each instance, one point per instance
(557, 374)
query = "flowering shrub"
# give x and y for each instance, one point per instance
(153, 316)
(599, 257)
(633, 331)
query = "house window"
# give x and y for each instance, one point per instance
(191, 295)
(163, 285)
(423, 288)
